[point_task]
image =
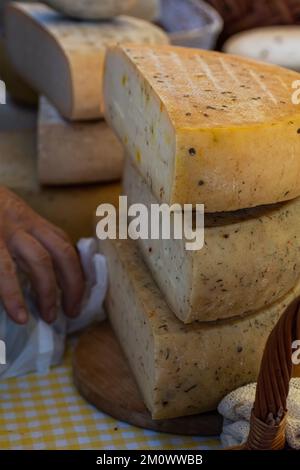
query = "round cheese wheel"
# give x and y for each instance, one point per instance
(275, 44)
(91, 9)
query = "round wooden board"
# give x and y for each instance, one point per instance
(102, 375)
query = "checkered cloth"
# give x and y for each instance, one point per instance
(46, 412)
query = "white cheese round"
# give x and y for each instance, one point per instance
(275, 44)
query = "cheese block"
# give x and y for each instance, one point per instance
(180, 369)
(206, 127)
(275, 44)
(146, 9)
(72, 209)
(91, 9)
(64, 59)
(250, 258)
(78, 152)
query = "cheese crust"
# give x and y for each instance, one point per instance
(249, 260)
(206, 127)
(180, 369)
(64, 59)
(76, 152)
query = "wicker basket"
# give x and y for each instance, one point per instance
(269, 414)
(240, 15)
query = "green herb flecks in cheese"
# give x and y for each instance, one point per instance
(250, 258)
(196, 115)
(180, 369)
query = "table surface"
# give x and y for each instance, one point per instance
(47, 412)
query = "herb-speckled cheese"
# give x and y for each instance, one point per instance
(91, 9)
(180, 369)
(206, 127)
(76, 152)
(250, 258)
(64, 59)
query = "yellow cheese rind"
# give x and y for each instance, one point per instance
(63, 59)
(231, 134)
(76, 153)
(249, 260)
(180, 369)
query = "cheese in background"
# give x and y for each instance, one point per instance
(180, 369)
(15, 85)
(206, 127)
(80, 152)
(72, 209)
(91, 9)
(64, 59)
(250, 258)
(146, 9)
(275, 44)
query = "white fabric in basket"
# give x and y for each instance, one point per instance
(236, 410)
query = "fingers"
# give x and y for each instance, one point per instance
(10, 291)
(67, 266)
(59, 232)
(36, 262)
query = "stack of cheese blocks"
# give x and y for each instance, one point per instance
(62, 59)
(203, 127)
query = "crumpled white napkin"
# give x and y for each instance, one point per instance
(236, 410)
(36, 346)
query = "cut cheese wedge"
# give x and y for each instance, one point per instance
(70, 153)
(249, 260)
(91, 9)
(181, 370)
(72, 209)
(63, 59)
(206, 127)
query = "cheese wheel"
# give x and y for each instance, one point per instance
(275, 44)
(70, 153)
(180, 369)
(91, 9)
(206, 127)
(72, 209)
(250, 258)
(64, 59)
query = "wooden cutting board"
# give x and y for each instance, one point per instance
(102, 375)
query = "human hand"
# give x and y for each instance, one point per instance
(44, 253)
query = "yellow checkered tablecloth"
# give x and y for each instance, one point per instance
(46, 412)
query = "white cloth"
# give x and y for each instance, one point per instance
(236, 410)
(36, 346)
